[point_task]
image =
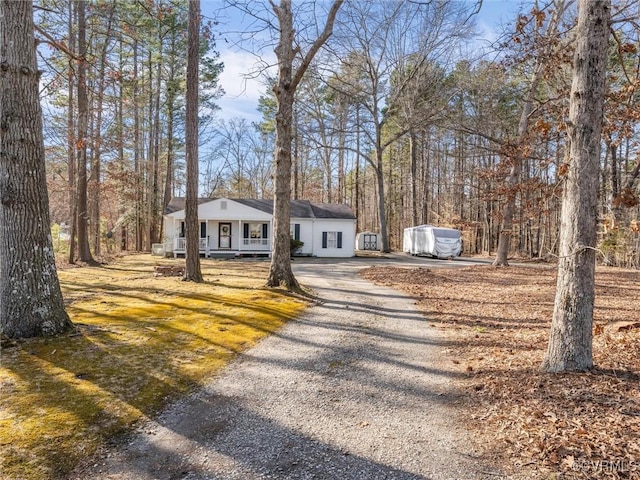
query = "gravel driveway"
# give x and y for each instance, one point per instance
(352, 390)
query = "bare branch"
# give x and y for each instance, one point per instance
(326, 33)
(58, 45)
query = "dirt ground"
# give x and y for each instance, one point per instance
(536, 425)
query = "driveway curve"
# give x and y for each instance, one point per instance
(354, 389)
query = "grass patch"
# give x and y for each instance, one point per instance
(140, 342)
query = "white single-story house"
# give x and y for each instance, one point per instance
(240, 226)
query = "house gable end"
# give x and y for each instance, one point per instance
(221, 209)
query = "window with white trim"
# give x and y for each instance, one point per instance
(255, 233)
(255, 230)
(331, 239)
(295, 231)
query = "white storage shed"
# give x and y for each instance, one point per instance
(368, 241)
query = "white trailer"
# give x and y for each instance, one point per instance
(438, 242)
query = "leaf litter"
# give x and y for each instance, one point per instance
(495, 324)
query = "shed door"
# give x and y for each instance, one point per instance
(371, 242)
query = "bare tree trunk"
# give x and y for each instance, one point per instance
(382, 214)
(280, 273)
(413, 153)
(30, 297)
(357, 160)
(136, 150)
(570, 341)
(192, 272)
(120, 116)
(154, 220)
(171, 99)
(71, 142)
(296, 165)
(84, 251)
(96, 164)
(506, 228)
(342, 128)
(426, 178)
(148, 163)
(93, 181)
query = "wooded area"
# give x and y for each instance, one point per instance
(399, 116)
(395, 108)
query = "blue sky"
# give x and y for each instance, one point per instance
(241, 98)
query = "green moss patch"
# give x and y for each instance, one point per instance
(140, 341)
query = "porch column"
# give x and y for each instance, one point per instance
(207, 251)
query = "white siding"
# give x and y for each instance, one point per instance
(234, 211)
(225, 210)
(348, 229)
(306, 235)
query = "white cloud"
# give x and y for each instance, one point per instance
(243, 85)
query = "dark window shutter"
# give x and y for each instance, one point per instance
(296, 231)
(324, 239)
(203, 229)
(182, 229)
(245, 232)
(339, 239)
(265, 230)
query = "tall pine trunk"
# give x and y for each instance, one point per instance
(84, 251)
(192, 252)
(30, 297)
(570, 342)
(71, 139)
(171, 101)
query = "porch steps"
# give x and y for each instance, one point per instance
(222, 254)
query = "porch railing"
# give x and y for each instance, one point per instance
(181, 244)
(255, 244)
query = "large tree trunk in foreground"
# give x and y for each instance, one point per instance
(30, 298)
(192, 271)
(280, 273)
(570, 342)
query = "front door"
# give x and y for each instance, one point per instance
(224, 236)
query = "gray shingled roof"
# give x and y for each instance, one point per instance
(299, 208)
(177, 203)
(332, 210)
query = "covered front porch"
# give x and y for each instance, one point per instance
(222, 238)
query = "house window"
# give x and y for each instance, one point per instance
(258, 230)
(203, 230)
(295, 231)
(331, 239)
(255, 233)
